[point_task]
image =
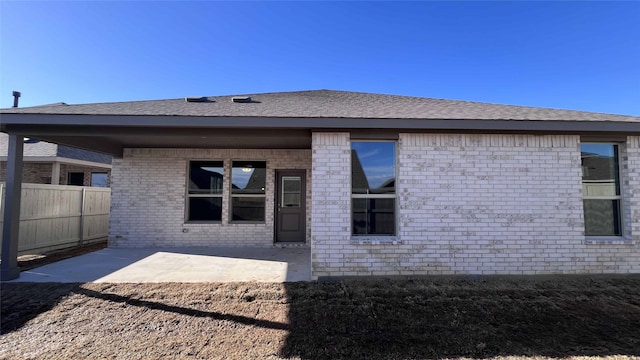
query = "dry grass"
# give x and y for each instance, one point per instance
(516, 318)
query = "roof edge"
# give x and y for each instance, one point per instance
(16, 121)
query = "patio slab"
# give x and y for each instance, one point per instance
(178, 265)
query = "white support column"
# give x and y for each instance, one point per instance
(331, 203)
(55, 173)
(10, 233)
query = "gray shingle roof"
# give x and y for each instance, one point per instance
(325, 104)
(46, 149)
(39, 148)
(80, 154)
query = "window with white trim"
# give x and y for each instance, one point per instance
(99, 179)
(373, 188)
(601, 189)
(204, 198)
(248, 179)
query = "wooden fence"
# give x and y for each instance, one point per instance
(59, 216)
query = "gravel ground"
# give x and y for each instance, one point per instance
(512, 318)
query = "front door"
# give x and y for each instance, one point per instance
(291, 205)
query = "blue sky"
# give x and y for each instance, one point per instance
(378, 161)
(572, 55)
(600, 149)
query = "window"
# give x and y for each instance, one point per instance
(205, 191)
(601, 189)
(75, 178)
(373, 188)
(291, 191)
(248, 180)
(99, 179)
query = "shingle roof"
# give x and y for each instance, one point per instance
(39, 148)
(80, 154)
(325, 104)
(45, 149)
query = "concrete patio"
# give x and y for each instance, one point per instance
(178, 265)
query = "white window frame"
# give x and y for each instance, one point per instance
(617, 197)
(106, 174)
(376, 196)
(283, 192)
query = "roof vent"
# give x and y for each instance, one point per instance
(16, 96)
(196, 99)
(241, 99)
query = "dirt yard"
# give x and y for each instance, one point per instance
(515, 318)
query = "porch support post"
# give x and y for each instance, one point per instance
(9, 267)
(55, 173)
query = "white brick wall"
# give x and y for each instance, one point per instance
(331, 203)
(148, 198)
(467, 204)
(472, 204)
(630, 156)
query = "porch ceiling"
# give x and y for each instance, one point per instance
(112, 140)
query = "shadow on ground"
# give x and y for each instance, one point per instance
(375, 319)
(471, 318)
(18, 306)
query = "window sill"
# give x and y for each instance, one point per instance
(607, 240)
(202, 222)
(375, 240)
(246, 222)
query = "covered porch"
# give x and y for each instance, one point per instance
(114, 135)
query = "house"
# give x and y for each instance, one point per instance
(48, 163)
(374, 184)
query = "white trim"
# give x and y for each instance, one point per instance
(618, 197)
(55, 173)
(396, 212)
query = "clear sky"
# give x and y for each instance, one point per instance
(378, 161)
(571, 55)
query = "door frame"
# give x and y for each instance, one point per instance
(303, 202)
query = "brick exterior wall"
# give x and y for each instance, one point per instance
(631, 188)
(40, 173)
(473, 204)
(149, 190)
(33, 173)
(331, 248)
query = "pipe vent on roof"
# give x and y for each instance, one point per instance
(195, 99)
(241, 99)
(16, 96)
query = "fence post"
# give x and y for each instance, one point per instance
(82, 211)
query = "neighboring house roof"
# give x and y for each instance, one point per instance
(40, 148)
(359, 182)
(81, 154)
(286, 120)
(323, 104)
(43, 149)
